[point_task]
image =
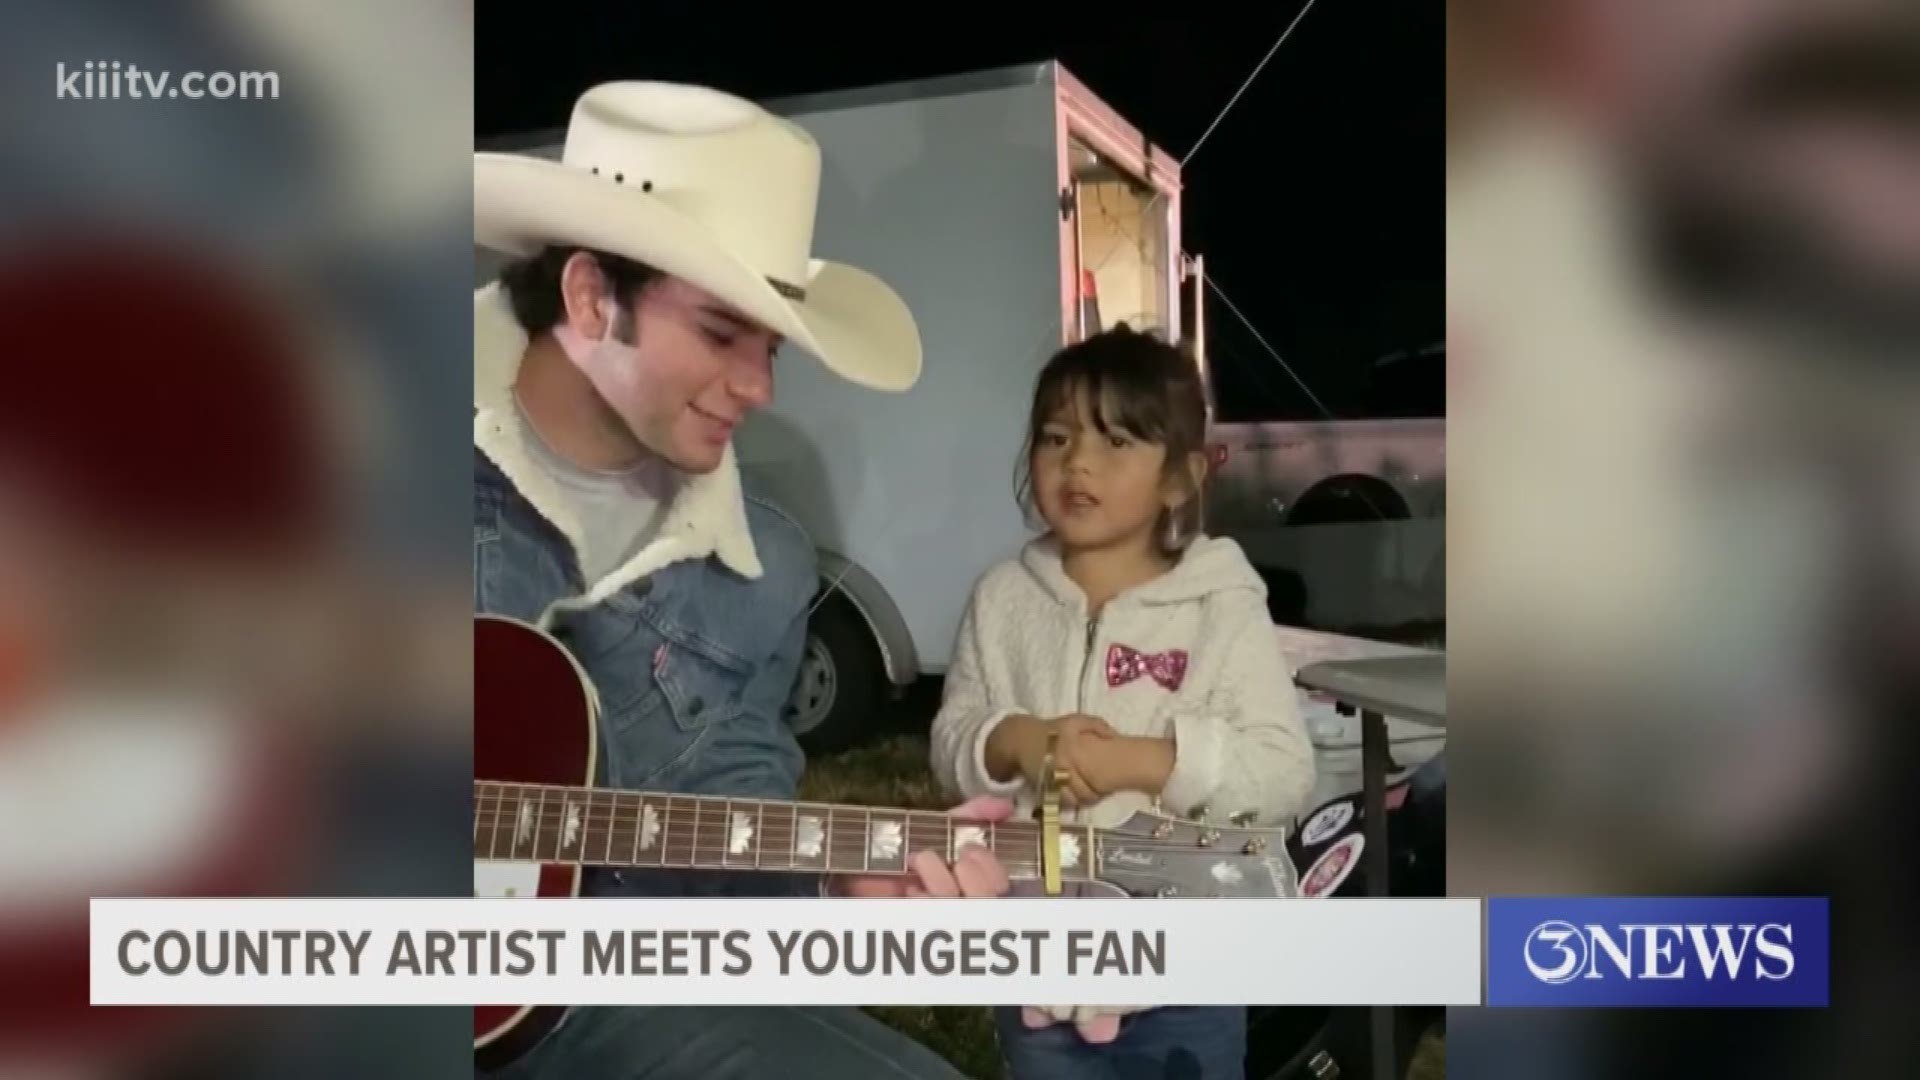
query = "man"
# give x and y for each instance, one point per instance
(663, 261)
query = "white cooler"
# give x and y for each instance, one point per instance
(1336, 738)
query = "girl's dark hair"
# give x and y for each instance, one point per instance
(533, 283)
(1143, 386)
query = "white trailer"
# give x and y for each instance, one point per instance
(990, 200)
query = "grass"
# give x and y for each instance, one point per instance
(1429, 1058)
(892, 771)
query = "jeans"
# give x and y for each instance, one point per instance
(697, 1042)
(1168, 1043)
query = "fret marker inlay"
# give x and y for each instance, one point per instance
(523, 825)
(968, 834)
(742, 835)
(886, 842)
(1069, 851)
(808, 837)
(571, 830)
(649, 826)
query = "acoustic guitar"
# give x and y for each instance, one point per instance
(539, 820)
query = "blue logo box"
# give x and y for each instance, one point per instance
(1657, 952)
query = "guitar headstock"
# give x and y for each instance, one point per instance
(1155, 854)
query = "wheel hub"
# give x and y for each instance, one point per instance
(816, 687)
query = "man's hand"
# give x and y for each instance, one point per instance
(974, 873)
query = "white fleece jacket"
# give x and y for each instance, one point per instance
(1191, 655)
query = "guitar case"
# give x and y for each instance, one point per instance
(1322, 1042)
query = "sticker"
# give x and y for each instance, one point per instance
(1333, 867)
(1326, 821)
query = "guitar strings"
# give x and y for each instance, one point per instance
(779, 821)
(616, 826)
(719, 833)
(493, 792)
(613, 828)
(713, 837)
(713, 815)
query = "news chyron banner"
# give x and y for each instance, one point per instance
(784, 951)
(1570, 952)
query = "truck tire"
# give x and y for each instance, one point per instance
(1348, 499)
(841, 688)
(1286, 594)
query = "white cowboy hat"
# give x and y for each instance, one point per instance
(712, 189)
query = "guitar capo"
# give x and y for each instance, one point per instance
(1052, 780)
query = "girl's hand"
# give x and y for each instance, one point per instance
(1082, 739)
(1014, 743)
(1096, 1024)
(1126, 763)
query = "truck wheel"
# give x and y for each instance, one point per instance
(1286, 595)
(841, 688)
(1344, 500)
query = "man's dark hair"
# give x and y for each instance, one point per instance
(533, 283)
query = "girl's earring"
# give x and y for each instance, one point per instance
(1171, 535)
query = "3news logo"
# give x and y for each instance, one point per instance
(1653, 952)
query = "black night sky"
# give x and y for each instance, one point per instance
(1317, 202)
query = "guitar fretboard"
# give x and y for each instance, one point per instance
(600, 827)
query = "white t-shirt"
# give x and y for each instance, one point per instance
(619, 510)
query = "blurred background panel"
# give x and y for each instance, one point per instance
(234, 651)
(1683, 266)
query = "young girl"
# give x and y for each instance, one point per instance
(1141, 650)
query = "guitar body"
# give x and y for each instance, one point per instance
(534, 717)
(539, 819)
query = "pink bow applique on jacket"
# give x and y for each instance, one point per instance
(1125, 664)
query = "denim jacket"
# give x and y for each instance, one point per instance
(692, 645)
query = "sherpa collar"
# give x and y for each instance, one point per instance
(708, 515)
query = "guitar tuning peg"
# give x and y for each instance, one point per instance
(1244, 818)
(1199, 813)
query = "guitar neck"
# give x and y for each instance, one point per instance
(604, 827)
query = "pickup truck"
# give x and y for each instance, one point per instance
(1346, 518)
